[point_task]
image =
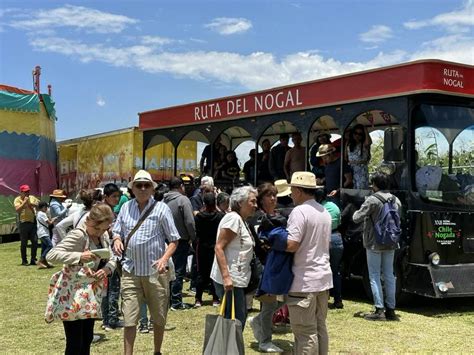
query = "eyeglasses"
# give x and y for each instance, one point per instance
(144, 185)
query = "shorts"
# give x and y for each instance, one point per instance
(139, 289)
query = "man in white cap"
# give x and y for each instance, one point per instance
(144, 258)
(309, 233)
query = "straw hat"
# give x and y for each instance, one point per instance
(282, 187)
(58, 194)
(304, 179)
(142, 175)
(325, 149)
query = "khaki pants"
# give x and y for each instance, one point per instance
(308, 313)
(137, 289)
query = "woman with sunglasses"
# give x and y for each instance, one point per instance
(358, 155)
(77, 248)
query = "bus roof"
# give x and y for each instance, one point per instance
(423, 76)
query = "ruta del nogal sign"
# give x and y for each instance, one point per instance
(251, 104)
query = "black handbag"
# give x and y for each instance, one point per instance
(256, 270)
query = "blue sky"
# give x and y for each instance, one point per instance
(109, 60)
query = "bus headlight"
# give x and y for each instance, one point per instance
(434, 259)
(442, 287)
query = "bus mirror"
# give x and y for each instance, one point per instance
(393, 142)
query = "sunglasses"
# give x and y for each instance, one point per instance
(140, 185)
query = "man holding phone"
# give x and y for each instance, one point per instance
(25, 205)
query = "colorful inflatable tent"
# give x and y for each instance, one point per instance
(27, 148)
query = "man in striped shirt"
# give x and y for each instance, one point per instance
(145, 263)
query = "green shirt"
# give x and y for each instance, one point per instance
(335, 213)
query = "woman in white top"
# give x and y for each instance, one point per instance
(77, 219)
(234, 251)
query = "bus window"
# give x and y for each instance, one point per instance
(444, 170)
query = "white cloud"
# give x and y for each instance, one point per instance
(78, 17)
(229, 26)
(100, 101)
(155, 40)
(455, 22)
(377, 34)
(456, 48)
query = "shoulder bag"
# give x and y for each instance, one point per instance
(74, 293)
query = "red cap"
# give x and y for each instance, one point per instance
(24, 188)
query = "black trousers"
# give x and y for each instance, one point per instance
(205, 258)
(28, 232)
(79, 335)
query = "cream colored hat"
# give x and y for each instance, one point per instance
(304, 179)
(325, 149)
(282, 187)
(142, 175)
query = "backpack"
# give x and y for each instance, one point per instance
(387, 227)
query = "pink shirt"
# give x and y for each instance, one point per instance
(310, 225)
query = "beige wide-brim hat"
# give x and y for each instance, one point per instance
(282, 187)
(304, 179)
(142, 175)
(325, 149)
(58, 194)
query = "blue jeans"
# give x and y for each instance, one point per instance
(180, 259)
(143, 314)
(381, 261)
(336, 250)
(46, 246)
(240, 302)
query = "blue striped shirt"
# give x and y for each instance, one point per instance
(147, 244)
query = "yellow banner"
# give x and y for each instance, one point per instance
(28, 123)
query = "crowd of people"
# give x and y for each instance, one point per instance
(241, 244)
(281, 160)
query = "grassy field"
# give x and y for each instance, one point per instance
(426, 326)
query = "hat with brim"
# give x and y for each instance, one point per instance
(283, 189)
(325, 149)
(58, 194)
(142, 176)
(304, 179)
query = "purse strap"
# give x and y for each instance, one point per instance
(223, 303)
(139, 223)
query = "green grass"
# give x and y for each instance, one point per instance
(427, 326)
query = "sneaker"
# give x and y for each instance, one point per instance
(25, 263)
(107, 328)
(390, 315)
(269, 348)
(378, 314)
(33, 262)
(181, 307)
(197, 304)
(41, 265)
(192, 290)
(169, 327)
(336, 305)
(143, 328)
(96, 338)
(116, 325)
(256, 328)
(150, 326)
(216, 303)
